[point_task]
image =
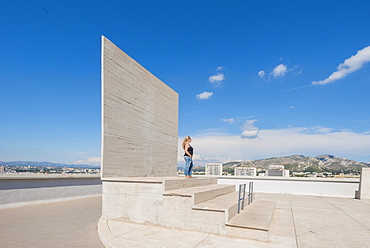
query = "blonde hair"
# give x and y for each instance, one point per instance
(186, 139)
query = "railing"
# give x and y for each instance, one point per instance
(241, 197)
(250, 193)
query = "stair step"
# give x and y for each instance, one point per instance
(173, 184)
(225, 203)
(202, 193)
(257, 216)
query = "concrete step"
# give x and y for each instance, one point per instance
(227, 203)
(181, 183)
(253, 222)
(257, 215)
(202, 193)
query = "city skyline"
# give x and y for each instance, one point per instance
(255, 79)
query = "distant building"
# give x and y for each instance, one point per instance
(245, 171)
(276, 167)
(213, 169)
(341, 175)
(277, 171)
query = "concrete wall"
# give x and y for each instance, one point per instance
(299, 186)
(22, 190)
(144, 202)
(364, 188)
(139, 119)
(133, 201)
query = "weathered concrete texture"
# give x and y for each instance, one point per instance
(149, 203)
(139, 119)
(144, 201)
(134, 202)
(364, 188)
(298, 221)
(62, 224)
(204, 207)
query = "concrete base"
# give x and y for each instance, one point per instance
(364, 187)
(144, 200)
(197, 204)
(357, 194)
(106, 236)
(298, 221)
(254, 222)
(247, 233)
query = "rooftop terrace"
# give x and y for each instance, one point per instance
(298, 221)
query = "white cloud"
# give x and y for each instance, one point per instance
(230, 120)
(279, 70)
(350, 65)
(249, 134)
(217, 160)
(261, 73)
(220, 68)
(282, 142)
(196, 157)
(236, 119)
(205, 95)
(297, 71)
(216, 80)
(249, 130)
(90, 161)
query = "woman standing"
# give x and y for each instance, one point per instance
(188, 156)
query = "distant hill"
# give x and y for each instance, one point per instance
(292, 163)
(45, 164)
(301, 163)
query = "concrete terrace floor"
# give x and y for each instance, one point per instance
(298, 221)
(61, 224)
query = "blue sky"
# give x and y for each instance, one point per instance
(256, 79)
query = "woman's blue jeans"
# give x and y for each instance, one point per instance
(188, 166)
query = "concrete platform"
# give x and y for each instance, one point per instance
(170, 183)
(256, 216)
(225, 203)
(253, 222)
(202, 193)
(298, 221)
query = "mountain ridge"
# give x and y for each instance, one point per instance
(45, 164)
(301, 163)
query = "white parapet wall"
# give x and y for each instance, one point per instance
(29, 189)
(332, 187)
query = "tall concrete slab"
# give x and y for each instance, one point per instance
(364, 187)
(139, 119)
